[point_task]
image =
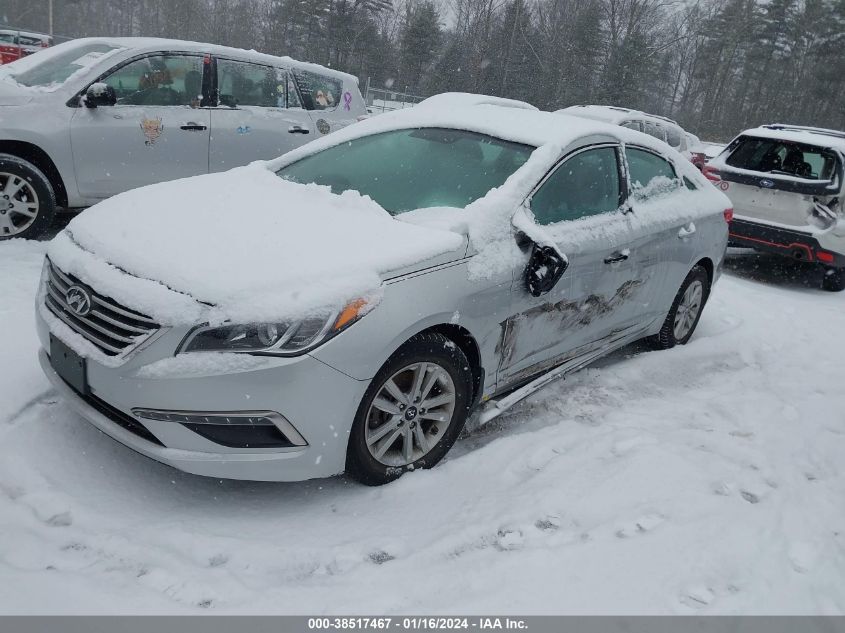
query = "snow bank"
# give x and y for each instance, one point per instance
(245, 243)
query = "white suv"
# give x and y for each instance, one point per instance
(786, 185)
(90, 118)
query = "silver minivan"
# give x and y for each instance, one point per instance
(90, 118)
(376, 288)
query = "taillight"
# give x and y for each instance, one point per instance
(824, 256)
(711, 173)
(729, 215)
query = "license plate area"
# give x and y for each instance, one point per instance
(69, 365)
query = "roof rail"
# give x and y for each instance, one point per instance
(662, 118)
(805, 128)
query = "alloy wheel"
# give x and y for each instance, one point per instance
(18, 204)
(410, 414)
(688, 310)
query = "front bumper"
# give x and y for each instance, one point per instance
(319, 401)
(795, 244)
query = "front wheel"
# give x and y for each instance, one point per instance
(685, 312)
(834, 279)
(27, 200)
(412, 411)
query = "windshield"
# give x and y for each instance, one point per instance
(57, 68)
(414, 169)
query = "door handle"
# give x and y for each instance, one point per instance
(193, 127)
(687, 230)
(298, 129)
(621, 256)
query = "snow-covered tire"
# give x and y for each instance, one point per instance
(685, 312)
(428, 369)
(834, 279)
(24, 190)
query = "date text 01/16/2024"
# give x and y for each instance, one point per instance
(416, 623)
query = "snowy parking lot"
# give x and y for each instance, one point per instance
(706, 479)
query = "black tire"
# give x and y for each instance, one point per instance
(666, 339)
(423, 348)
(46, 198)
(834, 279)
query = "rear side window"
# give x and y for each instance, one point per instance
(644, 167)
(652, 129)
(585, 184)
(673, 137)
(783, 157)
(247, 84)
(319, 92)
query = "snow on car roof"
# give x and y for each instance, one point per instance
(517, 124)
(151, 44)
(613, 114)
(797, 134)
(454, 99)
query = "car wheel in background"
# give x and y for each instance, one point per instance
(686, 311)
(412, 412)
(27, 200)
(834, 279)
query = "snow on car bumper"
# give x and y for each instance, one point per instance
(319, 402)
(795, 244)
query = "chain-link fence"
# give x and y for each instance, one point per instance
(382, 100)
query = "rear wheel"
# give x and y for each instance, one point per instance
(412, 412)
(834, 279)
(27, 200)
(685, 312)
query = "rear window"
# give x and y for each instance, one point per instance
(783, 157)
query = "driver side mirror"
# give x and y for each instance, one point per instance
(100, 94)
(545, 268)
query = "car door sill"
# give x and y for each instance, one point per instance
(495, 407)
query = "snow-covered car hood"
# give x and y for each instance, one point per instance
(243, 245)
(13, 95)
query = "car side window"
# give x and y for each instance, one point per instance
(633, 125)
(248, 84)
(293, 95)
(644, 167)
(585, 184)
(673, 137)
(320, 92)
(654, 129)
(159, 80)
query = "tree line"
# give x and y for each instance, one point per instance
(716, 66)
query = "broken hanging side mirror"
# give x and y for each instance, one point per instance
(100, 94)
(545, 268)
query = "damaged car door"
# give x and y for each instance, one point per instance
(580, 206)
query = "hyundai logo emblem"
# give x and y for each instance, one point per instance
(78, 300)
(768, 184)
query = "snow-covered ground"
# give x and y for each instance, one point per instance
(706, 479)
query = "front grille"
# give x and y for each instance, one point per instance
(111, 327)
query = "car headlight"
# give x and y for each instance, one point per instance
(284, 337)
